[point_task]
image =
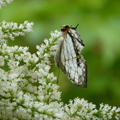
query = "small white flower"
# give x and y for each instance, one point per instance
(46, 42)
(117, 110)
(2, 61)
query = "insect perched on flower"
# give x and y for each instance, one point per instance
(68, 56)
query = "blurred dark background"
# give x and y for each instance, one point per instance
(99, 27)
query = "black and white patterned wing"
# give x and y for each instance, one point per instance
(68, 57)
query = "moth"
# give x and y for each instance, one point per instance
(68, 56)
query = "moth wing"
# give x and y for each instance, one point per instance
(77, 39)
(74, 69)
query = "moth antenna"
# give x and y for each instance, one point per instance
(76, 26)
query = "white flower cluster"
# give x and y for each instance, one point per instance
(81, 109)
(11, 30)
(28, 89)
(3, 2)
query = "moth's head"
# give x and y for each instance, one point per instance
(65, 28)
